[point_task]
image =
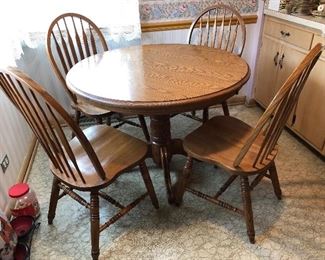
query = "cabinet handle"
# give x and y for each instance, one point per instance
(281, 61)
(275, 59)
(285, 34)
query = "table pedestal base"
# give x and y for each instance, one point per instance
(163, 148)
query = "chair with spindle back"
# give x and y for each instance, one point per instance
(219, 26)
(242, 150)
(72, 37)
(89, 162)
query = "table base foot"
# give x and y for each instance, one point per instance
(164, 159)
(161, 155)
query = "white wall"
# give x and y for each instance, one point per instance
(252, 49)
(15, 140)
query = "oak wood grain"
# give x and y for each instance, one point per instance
(158, 79)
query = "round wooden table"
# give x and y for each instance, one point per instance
(158, 81)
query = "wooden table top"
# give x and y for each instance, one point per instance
(158, 79)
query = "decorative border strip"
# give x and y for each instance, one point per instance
(172, 10)
(182, 24)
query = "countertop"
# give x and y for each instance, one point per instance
(314, 22)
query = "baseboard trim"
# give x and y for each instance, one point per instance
(250, 102)
(236, 100)
(26, 167)
(29, 163)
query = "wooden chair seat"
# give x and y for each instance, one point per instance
(116, 152)
(220, 140)
(90, 110)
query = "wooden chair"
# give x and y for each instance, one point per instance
(242, 150)
(91, 161)
(71, 38)
(219, 26)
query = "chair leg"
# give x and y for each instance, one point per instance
(77, 119)
(108, 120)
(182, 182)
(225, 186)
(257, 180)
(144, 127)
(275, 181)
(164, 160)
(225, 108)
(147, 181)
(53, 200)
(94, 224)
(99, 120)
(248, 212)
(77, 116)
(205, 115)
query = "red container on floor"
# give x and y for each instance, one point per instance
(21, 252)
(8, 238)
(22, 225)
(26, 203)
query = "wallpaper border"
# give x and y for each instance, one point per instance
(173, 10)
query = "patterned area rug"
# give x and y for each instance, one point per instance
(293, 228)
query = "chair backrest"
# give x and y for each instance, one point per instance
(273, 120)
(45, 116)
(72, 37)
(219, 26)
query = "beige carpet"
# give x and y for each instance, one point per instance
(293, 228)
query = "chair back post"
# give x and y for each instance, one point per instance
(218, 27)
(72, 37)
(273, 120)
(45, 116)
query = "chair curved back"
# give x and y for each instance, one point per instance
(273, 120)
(45, 116)
(72, 37)
(219, 26)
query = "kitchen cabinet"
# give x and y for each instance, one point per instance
(266, 76)
(310, 111)
(283, 46)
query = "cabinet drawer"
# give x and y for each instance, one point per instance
(288, 33)
(317, 39)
